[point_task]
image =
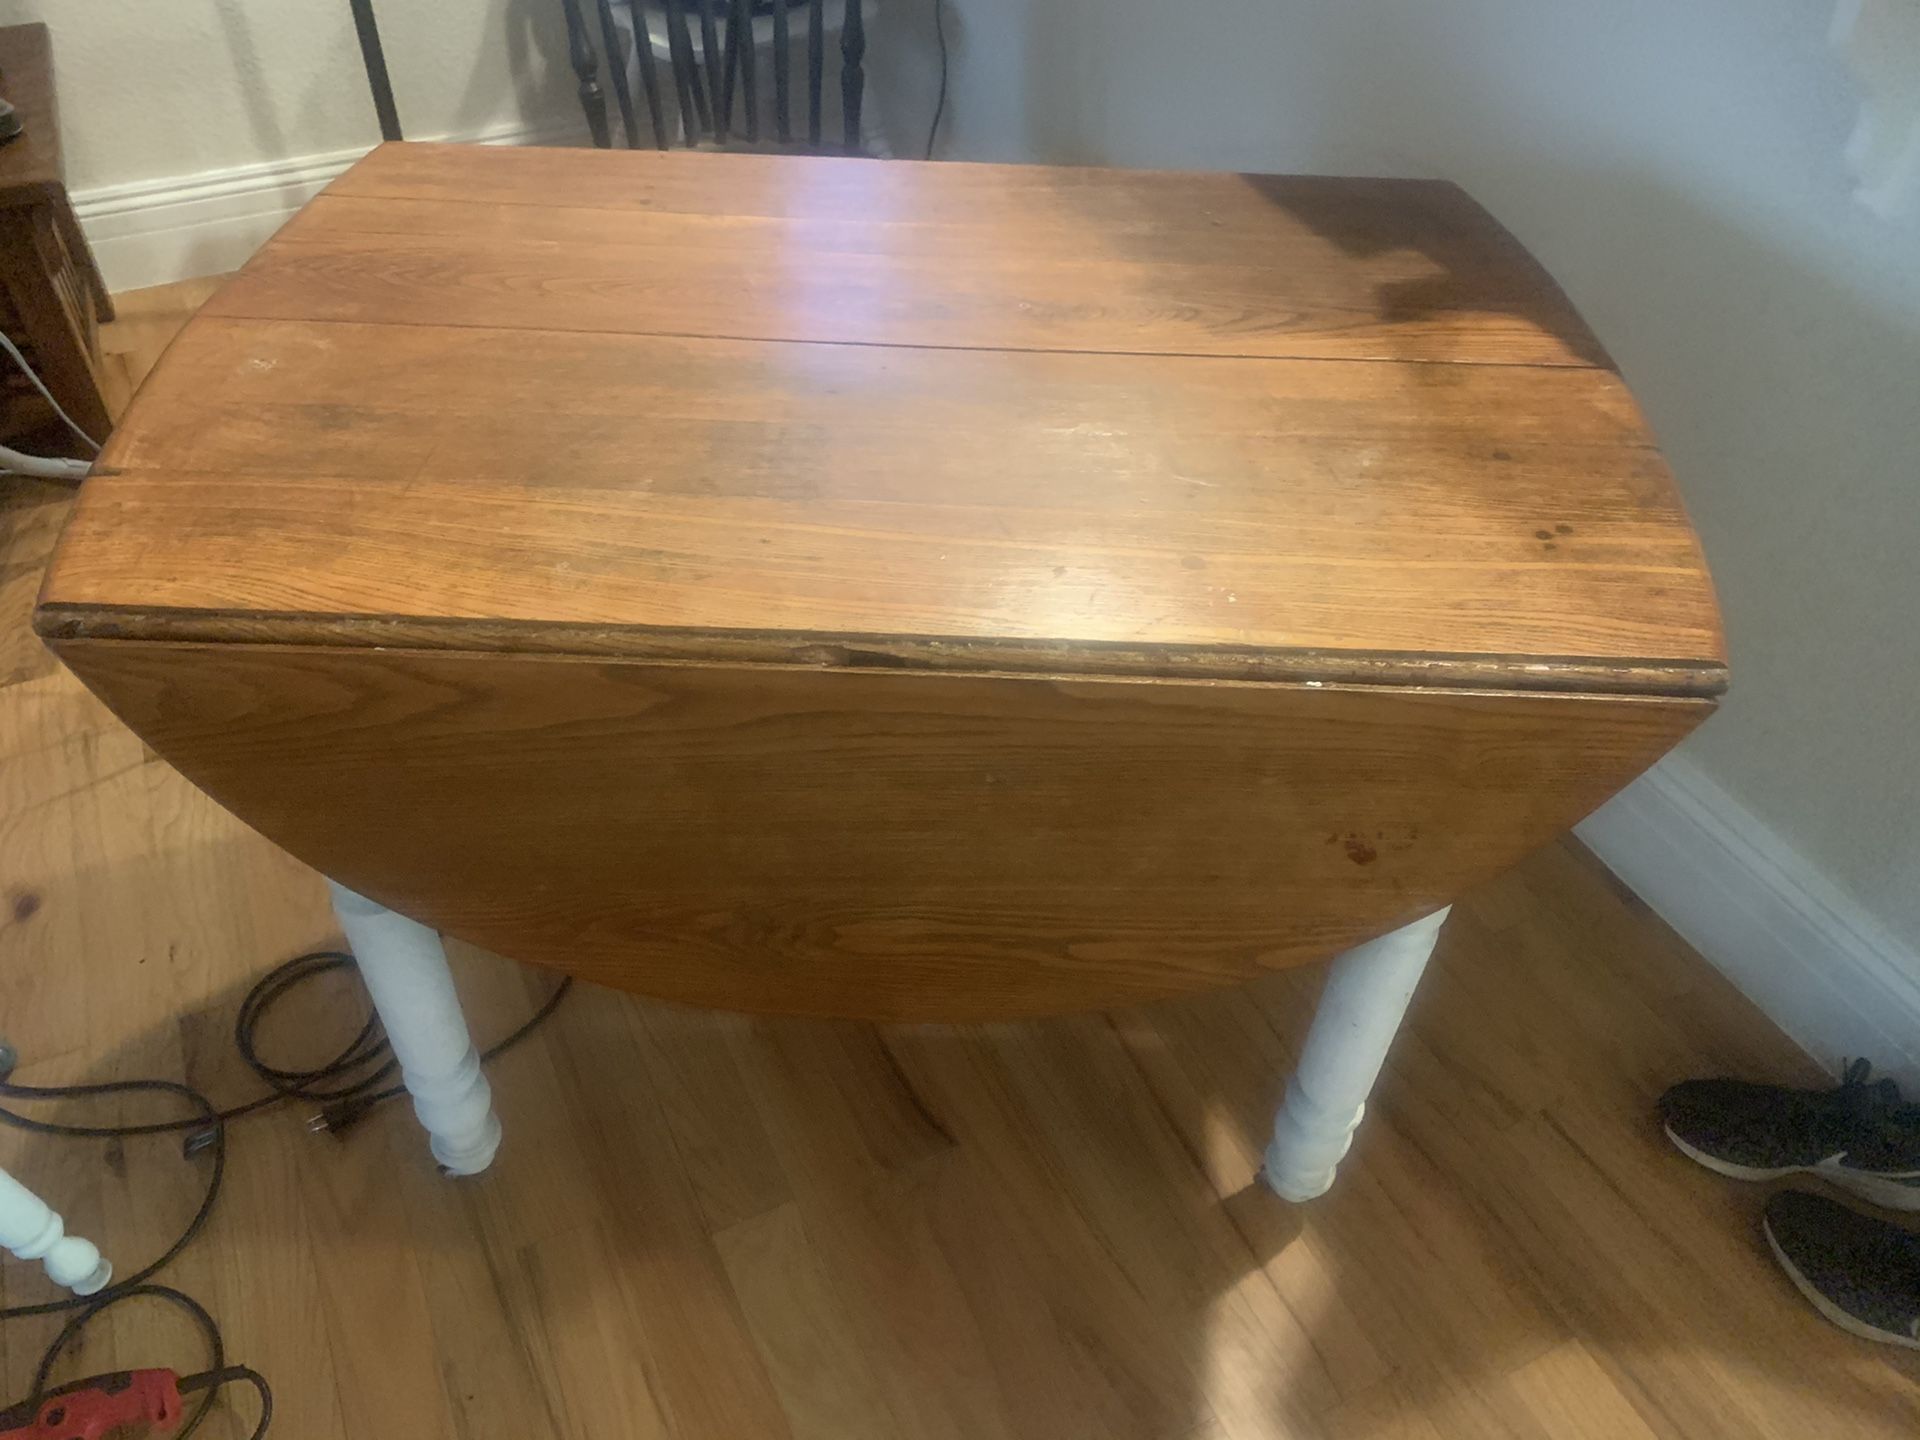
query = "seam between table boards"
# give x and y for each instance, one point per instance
(209, 312)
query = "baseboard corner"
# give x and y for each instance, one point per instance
(1811, 957)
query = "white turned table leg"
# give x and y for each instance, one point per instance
(1360, 1012)
(405, 967)
(31, 1230)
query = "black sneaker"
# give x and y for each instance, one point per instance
(1863, 1274)
(1861, 1136)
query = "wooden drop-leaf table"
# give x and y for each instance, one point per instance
(913, 592)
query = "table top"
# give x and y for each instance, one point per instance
(971, 417)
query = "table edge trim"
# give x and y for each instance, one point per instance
(1669, 677)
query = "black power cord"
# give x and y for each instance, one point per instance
(346, 1087)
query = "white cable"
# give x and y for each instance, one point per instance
(7, 344)
(13, 462)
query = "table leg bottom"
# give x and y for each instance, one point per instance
(32, 1230)
(1366, 996)
(405, 969)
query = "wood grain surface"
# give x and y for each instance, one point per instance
(955, 416)
(859, 493)
(993, 256)
(884, 846)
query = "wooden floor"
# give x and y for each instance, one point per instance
(706, 1226)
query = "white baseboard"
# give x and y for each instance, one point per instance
(153, 232)
(1811, 957)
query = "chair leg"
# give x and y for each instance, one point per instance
(31, 1229)
(1360, 1010)
(586, 69)
(405, 968)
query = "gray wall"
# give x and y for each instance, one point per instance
(1678, 168)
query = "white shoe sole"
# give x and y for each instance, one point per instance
(1876, 1189)
(1853, 1325)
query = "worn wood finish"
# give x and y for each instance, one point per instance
(889, 633)
(980, 256)
(1013, 504)
(886, 846)
(707, 1226)
(1257, 511)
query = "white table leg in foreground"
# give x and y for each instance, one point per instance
(31, 1229)
(1360, 1011)
(405, 967)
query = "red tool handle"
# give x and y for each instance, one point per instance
(94, 1409)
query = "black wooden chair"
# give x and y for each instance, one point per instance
(712, 57)
(708, 76)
